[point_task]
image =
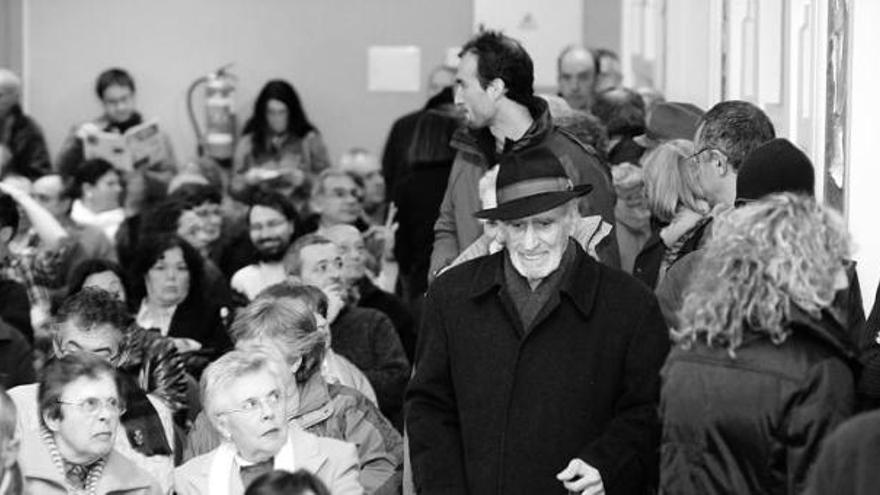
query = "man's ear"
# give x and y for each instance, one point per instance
(296, 365)
(722, 163)
(223, 427)
(496, 89)
(53, 424)
(6, 233)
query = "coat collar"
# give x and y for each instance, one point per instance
(580, 284)
(118, 475)
(482, 142)
(826, 328)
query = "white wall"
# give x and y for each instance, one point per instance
(320, 46)
(864, 167)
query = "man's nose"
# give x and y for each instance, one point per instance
(530, 238)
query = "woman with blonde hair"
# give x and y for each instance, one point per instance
(762, 373)
(674, 201)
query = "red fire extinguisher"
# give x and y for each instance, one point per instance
(218, 139)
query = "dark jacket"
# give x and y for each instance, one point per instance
(418, 197)
(848, 462)
(30, 156)
(15, 307)
(375, 298)
(16, 359)
(753, 423)
(456, 227)
(200, 320)
(490, 411)
(367, 338)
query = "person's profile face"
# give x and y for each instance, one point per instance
(470, 96)
(105, 193)
(119, 103)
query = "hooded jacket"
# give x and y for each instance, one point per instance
(753, 423)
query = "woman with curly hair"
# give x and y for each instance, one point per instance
(761, 373)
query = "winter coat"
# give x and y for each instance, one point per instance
(847, 464)
(456, 227)
(753, 423)
(120, 476)
(24, 138)
(492, 409)
(333, 411)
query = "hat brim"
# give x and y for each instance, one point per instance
(532, 205)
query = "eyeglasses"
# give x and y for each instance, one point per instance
(93, 405)
(255, 405)
(696, 157)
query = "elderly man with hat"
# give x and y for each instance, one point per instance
(537, 368)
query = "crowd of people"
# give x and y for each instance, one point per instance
(595, 291)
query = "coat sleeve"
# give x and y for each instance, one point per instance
(391, 372)
(626, 453)
(446, 246)
(826, 398)
(380, 448)
(345, 474)
(432, 419)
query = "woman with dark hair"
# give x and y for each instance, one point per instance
(280, 148)
(98, 273)
(167, 295)
(763, 371)
(97, 189)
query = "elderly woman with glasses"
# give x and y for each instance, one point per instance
(72, 452)
(244, 396)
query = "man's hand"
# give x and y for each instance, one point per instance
(335, 301)
(581, 478)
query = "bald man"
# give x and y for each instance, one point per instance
(576, 76)
(23, 148)
(50, 193)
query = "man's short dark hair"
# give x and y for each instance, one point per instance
(622, 110)
(736, 128)
(293, 258)
(275, 201)
(60, 372)
(502, 57)
(91, 307)
(8, 212)
(113, 77)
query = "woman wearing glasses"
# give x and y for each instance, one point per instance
(72, 452)
(244, 398)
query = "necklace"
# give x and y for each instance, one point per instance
(90, 487)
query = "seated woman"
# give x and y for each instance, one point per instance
(324, 409)
(762, 373)
(279, 146)
(97, 187)
(73, 451)
(167, 295)
(245, 400)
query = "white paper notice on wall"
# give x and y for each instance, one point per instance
(543, 27)
(394, 68)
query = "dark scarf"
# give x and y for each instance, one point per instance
(141, 421)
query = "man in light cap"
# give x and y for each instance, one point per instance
(537, 368)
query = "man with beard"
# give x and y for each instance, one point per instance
(271, 221)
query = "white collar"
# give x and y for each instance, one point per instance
(226, 459)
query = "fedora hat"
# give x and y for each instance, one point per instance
(529, 182)
(670, 120)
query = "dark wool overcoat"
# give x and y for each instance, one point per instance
(493, 409)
